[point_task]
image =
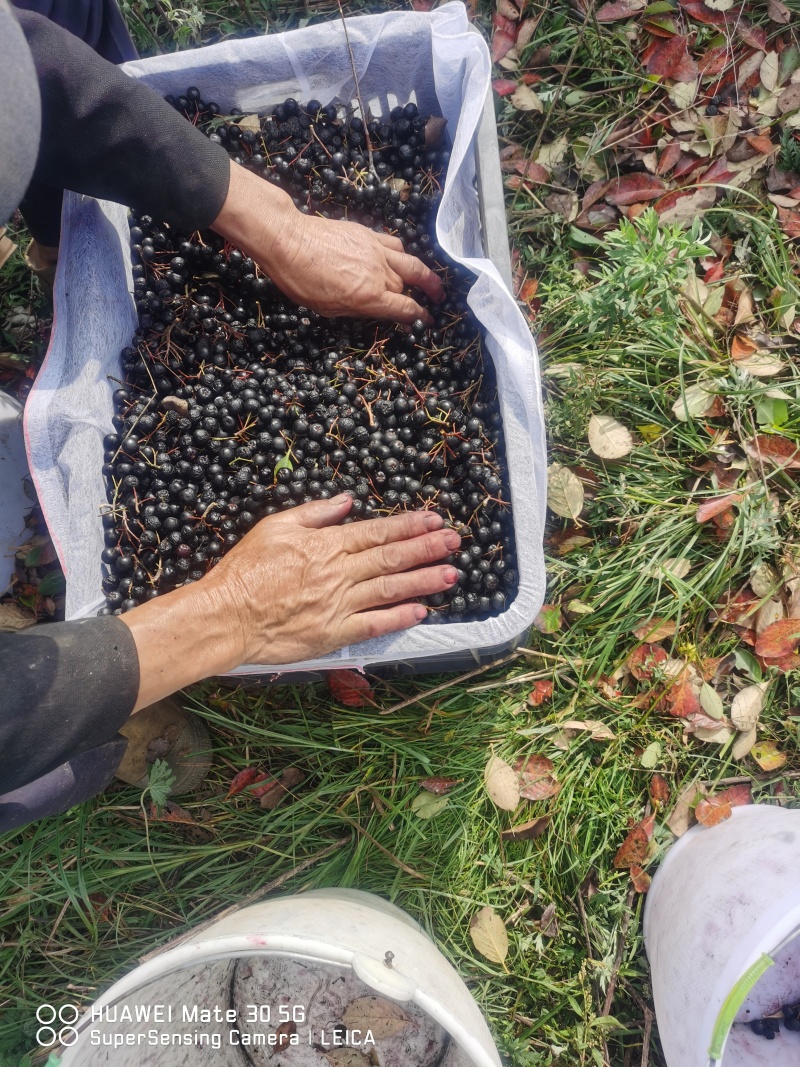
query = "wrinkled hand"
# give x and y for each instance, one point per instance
(299, 586)
(333, 267)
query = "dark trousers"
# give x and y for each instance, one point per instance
(100, 24)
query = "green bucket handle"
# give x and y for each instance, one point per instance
(733, 1002)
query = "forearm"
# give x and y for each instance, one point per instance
(111, 136)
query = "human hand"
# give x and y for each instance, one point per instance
(295, 587)
(333, 267)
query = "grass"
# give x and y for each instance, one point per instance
(87, 893)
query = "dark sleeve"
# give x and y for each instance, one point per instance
(112, 137)
(66, 689)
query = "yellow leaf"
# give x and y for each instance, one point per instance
(489, 935)
(767, 756)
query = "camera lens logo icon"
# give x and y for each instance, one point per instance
(57, 1024)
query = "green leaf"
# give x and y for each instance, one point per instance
(651, 755)
(748, 663)
(33, 557)
(580, 237)
(283, 464)
(425, 805)
(52, 584)
(160, 781)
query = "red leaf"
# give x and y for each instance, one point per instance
(245, 778)
(682, 700)
(778, 450)
(621, 9)
(172, 812)
(779, 639)
(504, 86)
(633, 188)
(716, 174)
(659, 790)
(644, 659)
(264, 787)
(755, 36)
(351, 688)
(541, 691)
(439, 786)
(422, 5)
(648, 824)
(532, 172)
(714, 61)
(711, 811)
(536, 781)
(641, 879)
(737, 795)
(666, 55)
(697, 10)
(633, 850)
(669, 157)
(709, 508)
(790, 221)
(504, 36)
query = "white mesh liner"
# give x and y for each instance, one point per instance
(433, 58)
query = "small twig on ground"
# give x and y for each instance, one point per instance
(364, 116)
(251, 898)
(623, 931)
(531, 676)
(453, 681)
(766, 776)
(649, 1016)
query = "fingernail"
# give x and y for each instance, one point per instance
(450, 576)
(451, 539)
(420, 612)
(336, 501)
(433, 521)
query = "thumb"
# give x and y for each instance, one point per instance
(318, 513)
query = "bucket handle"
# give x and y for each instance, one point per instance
(733, 1002)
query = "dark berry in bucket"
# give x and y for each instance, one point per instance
(239, 404)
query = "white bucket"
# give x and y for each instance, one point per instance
(13, 472)
(722, 933)
(344, 932)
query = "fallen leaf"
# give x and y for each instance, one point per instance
(683, 94)
(351, 689)
(767, 756)
(620, 9)
(768, 72)
(774, 449)
(682, 700)
(693, 403)
(565, 494)
(645, 659)
(608, 438)
(529, 170)
(502, 783)
(678, 206)
(384, 1018)
(711, 811)
(659, 790)
(790, 222)
(711, 701)
(548, 925)
(779, 12)
(536, 778)
(13, 617)
(656, 629)
(542, 690)
(274, 792)
(668, 58)
(526, 31)
(525, 99)
(249, 776)
(641, 879)
(504, 86)
(172, 812)
(439, 786)
(434, 131)
(633, 850)
(737, 795)
(778, 640)
(553, 153)
(526, 831)
(504, 36)
(548, 621)
(650, 756)
(681, 816)
(715, 506)
(507, 9)
(426, 805)
(744, 742)
(634, 188)
(284, 1033)
(789, 100)
(598, 730)
(489, 935)
(762, 365)
(771, 611)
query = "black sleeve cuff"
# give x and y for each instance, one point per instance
(67, 688)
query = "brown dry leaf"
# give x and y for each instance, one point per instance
(656, 629)
(434, 131)
(525, 99)
(681, 816)
(645, 659)
(565, 493)
(633, 850)
(716, 506)
(172, 812)
(641, 879)
(542, 690)
(439, 786)
(679, 206)
(779, 12)
(249, 122)
(772, 448)
(7, 248)
(536, 778)
(744, 742)
(768, 74)
(527, 831)
(737, 795)
(634, 188)
(384, 1018)
(502, 783)
(507, 9)
(598, 730)
(620, 9)
(745, 308)
(779, 640)
(608, 438)
(659, 790)
(284, 1033)
(767, 756)
(789, 100)
(14, 617)
(771, 611)
(548, 924)
(489, 935)
(526, 31)
(711, 811)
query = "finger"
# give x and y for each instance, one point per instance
(414, 273)
(401, 309)
(317, 514)
(403, 555)
(368, 624)
(361, 536)
(395, 588)
(394, 283)
(388, 241)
